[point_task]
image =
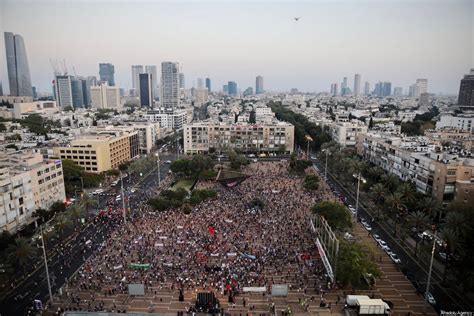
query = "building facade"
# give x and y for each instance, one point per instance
(105, 97)
(466, 91)
(206, 137)
(107, 73)
(208, 84)
(146, 90)
(170, 85)
(259, 85)
(17, 66)
(232, 87)
(357, 84)
(136, 71)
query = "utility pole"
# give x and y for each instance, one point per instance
(429, 273)
(46, 264)
(359, 177)
(123, 200)
(158, 168)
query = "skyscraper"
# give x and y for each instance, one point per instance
(466, 91)
(367, 88)
(63, 91)
(386, 89)
(170, 85)
(334, 89)
(146, 90)
(378, 89)
(344, 86)
(356, 84)
(35, 94)
(77, 95)
(154, 79)
(397, 91)
(86, 89)
(106, 73)
(182, 84)
(208, 84)
(225, 88)
(421, 86)
(232, 86)
(136, 71)
(17, 65)
(259, 85)
(200, 83)
(411, 90)
(1, 89)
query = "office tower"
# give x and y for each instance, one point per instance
(248, 91)
(63, 91)
(1, 89)
(367, 88)
(466, 91)
(411, 90)
(344, 86)
(146, 90)
(122, 92)
(181, 81)
(259, 85)
(200, 83)
(76, 90)
(232, 87)
(154, 79)
(225, 88)
(105, 97)
(136, 71)
(93, 80)
(208, 84)
(387, 89)
(294, 90)
(378, 89)
(35, 94)
(356, 84)
(106, 73)
(169, 85)
(421, 86)
(17, 65)
(397, 91)
(334, 89)
(86, 89)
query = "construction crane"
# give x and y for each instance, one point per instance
(64, 67)
(74, 70)
(54, 65)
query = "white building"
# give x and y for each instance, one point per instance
(421, 86)
(463, 122)
(170, 85)
(345, 133)
(174, 120)
(63, 91)
(27, 182)
(264, 114)
(356, 84)
(105, 97)
(136, 71)
(20, 110)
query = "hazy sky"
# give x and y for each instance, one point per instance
(396, 41)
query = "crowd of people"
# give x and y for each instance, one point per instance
(224, 245)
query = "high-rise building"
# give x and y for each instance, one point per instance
(225, 88)
(232, 87)
(86, 90)
(105, 97)
(154, 82)
(1, 88)
(35, 93)
(248, 91)
(136, 71)
(170, 85)
(17, 65)
(334, 89)
(356, 84)
(200, 83)
(344, 86)
(421, 86)
(397, 91)
(367, 88)
(146, 90)
(411, 90)
(466, 91)
(259, 85)
(106, 73)
(77, 95)
(182, 83)
(208, 84)
(383, 89)
(63, 91)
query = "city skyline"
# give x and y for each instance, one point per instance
(406, 53)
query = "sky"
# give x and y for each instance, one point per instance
(383, 40)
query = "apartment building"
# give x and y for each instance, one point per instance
(21, 109)
(172, 120)
(445, 175)
(102, 149)
(345, 133)
(205, 137)
(27, 182)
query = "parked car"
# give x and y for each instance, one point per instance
(443, 255)
(383, 244)
(430, 298)
(388, 251)
(376, 237)
(395, 258)
(168, 162)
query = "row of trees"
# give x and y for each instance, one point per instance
(170, 199)
(75, 177)
(408, 212)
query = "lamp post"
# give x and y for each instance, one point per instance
(308, 140)
(429, 273)
(123, 199)
(326, 164)
(158, 168)
(46, 264)
(359, 177)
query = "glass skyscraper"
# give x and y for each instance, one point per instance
(17, 64)
(106, 73)
(169, 85)
(232, 87)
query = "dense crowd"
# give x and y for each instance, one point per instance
(224, 245)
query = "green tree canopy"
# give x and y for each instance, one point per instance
(311, 182)
(336, 214)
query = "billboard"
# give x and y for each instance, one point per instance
(136, 289)
(280, 290)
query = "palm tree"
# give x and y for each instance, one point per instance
(457, 222)
(87, 201)
(378, 192)
(20, 252)
(452, 243)
(390, 181)
(407, 190)
(418, 219)
(375, 173)
(430, 206)
(62, 221)
(397, 207)
(76, 212)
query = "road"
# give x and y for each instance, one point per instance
(445, 300)
(63, 264)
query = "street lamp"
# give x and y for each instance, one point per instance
(359, 177)
(326, 165)
(308, 140)
(46, 263)
(123, 199)
(429, 273)
(158, 168)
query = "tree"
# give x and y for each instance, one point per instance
(407, 191)
(311, 182)
(6, 238)
(390, 181)
(68, 109)
(87, 202)
(335, 214)
(451, 244)
(62, 222)
(430, 206)
(159, 204)
(237, 160)
(355, 260)
(3, 128)
(57, 207)
(457, 222)
(396, 207)
(20, 252)
(418, 219)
